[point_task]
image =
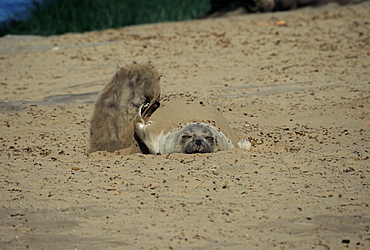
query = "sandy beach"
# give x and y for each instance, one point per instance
(297, 84)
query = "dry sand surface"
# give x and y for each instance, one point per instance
(300, 91)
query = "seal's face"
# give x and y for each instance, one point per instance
(196, 138)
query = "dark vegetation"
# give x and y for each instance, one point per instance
(54, 17)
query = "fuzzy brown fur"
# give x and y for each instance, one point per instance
(112, 121)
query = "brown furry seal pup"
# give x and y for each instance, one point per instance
(185, 124)
(111, 126)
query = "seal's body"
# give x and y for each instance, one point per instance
(128, 115)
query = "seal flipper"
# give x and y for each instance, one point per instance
(245, 144)
(141, 135)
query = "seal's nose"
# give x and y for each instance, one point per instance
(197, 145)
(198, 142)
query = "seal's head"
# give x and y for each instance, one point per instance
(197, 138)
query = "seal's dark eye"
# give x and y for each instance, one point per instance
(186, 137)
(209, 138)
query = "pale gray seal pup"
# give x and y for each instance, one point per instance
(111, 126)
(185, 124)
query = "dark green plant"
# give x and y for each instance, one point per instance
(61, 16)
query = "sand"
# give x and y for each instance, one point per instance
(296, 83)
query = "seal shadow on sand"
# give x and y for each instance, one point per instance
(130, 115)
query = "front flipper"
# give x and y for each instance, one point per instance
(140, 123)
(245, 144)
(141, 129)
